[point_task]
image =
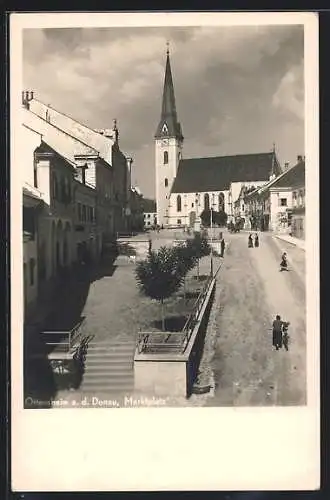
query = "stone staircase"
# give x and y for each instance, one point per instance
(109, 367)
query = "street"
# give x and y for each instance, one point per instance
(247, 371)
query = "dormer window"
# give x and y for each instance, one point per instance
(165, 129)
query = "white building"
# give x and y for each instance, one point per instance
(150, 219)
(186, 187)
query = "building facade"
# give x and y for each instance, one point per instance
(271, 206)
(76, 195)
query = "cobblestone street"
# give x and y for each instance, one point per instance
(247, 370)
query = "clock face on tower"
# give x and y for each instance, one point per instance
(164, 142)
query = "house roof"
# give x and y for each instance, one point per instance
(295, 176)
(217, 173)
(61, 142)
(45, 148)
(96, 141)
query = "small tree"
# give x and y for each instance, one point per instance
(186, 261)
(200, 248)
(159, 276)
(206, 217)
(220, 218)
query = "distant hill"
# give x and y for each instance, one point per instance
(148, 205)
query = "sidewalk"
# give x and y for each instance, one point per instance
(290, 239)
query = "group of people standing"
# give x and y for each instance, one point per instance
(256, 241)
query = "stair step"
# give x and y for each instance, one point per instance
(101, 364)
(101, 353)
(109, 373)
(106, 387)
(108, 367)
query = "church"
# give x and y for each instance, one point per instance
(186, 187)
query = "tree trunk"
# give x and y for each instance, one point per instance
(163, 315)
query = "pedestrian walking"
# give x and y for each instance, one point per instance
(223, 245)
(250, 241)
(277, 333)
(286, 335)
(284, 263)
(256, 241)
(149, 246)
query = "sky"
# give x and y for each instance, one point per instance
(238, 89)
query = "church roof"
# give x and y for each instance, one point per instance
(168, 114)
(292, 178)
(217, 173)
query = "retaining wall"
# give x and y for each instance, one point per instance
(174, 374)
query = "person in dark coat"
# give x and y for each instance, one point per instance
(277, 333)
(284, 263)
(223, 245)
(256, 240)
(250, 241)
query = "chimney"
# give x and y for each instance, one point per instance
(27, 96)
(115, 129)
(299, 158)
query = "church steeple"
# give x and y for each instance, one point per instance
(168, 124)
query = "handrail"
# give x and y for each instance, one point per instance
(72, 335)
(145, 342)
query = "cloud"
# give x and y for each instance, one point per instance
(235, 87)
(289, 96)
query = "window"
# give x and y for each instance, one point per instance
(32, 265)
(165, 157)
(178, 203)
(79, 212)
(35, 174)
(221, 202)
(166, 182)
(192, 205)
(179, 222)
(148, 216)
(84, 213)
(283, 202)
(242, 208)
(63, 190)
(206, 202)
(55, 187)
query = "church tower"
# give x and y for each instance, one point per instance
(168, 146)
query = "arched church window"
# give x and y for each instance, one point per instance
(206, 202)
(221, 202)
(178, 203)
(166, 182)
(165, 157)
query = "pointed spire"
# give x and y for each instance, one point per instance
(168, 124)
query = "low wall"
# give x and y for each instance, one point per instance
(139, 248)
(174, 374)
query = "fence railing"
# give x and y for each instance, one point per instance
(63, 341)
(165, 342)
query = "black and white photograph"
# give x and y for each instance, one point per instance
(166, 235)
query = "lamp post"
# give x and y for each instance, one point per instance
(211, 224)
